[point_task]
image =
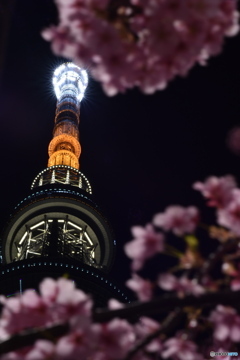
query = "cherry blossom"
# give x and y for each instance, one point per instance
(226, 323)
(230, 215)
(141, 43)
(116, 338)
(143, 288)
(218, 190)
(63, 293)
(79, 344)
(182, 285)
(178, 219)
(179, 348)
(59, 302)
(22, 312)
(146, 243)
(41, 350)
(145, 327)
(230, 270)
(114, 304)
(233, 140)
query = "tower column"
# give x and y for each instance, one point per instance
(69, 83)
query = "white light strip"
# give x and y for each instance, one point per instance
(33, 227)
(76, 227)
(88, 238)
(23, 238)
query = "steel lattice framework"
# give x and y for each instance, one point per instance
(72, 241)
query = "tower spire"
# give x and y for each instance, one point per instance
(69, 83)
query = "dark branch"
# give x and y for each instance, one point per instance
(132, 311)
(28, 337)
(168, 327)
(168, 303)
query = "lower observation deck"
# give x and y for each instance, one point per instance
(62, 221)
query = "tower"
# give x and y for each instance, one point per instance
(58, 228)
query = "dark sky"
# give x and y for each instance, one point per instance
(140, 153)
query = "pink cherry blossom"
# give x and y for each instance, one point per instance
(226, 323)
(143, 43)
(217, 190)
(178, 348)
(230, 215)
(233, 140)
(58, 301)
(235, 283)
(143, 288)
(178, 219)
(182, 285)
(145, 327)
(230, 270)
(79, 344)
(22, 312)
(62, 296)
(114, 304)
(116, 338)
(146, 243)
(42, 350)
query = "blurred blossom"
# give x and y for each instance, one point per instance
(143, 288)
(226, 323)
(181, 285)
(116, 338)
(218, 190)
(147, 46)
(145, 327)
(178, 348)
(230, 215)
(231, 270)
(146, 243)
(114, 304)
(233, 140)
(178, 219)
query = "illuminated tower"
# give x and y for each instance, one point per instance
(58, 228)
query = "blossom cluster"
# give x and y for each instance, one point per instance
(59, 302)
(141, 43)
(223, 194)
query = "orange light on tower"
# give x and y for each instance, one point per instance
(69, 83)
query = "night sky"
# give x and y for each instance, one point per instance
(140, 153)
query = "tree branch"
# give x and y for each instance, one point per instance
(28, 337)
(167, 328)
(168, 303)
(132, 311)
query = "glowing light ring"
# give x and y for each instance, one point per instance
(70, 76)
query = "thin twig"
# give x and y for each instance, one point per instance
(167, 303)
(167, 328)
(214, 258)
